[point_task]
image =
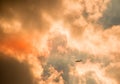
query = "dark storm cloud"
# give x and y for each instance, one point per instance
(29, 12)
(14, 72)
(111, 16)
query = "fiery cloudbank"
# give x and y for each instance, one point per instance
(60, 41)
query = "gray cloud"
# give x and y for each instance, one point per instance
(62, 61)
(111, 16)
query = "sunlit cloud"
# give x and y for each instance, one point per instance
(61, 41)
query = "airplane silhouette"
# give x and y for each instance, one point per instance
(78, 61)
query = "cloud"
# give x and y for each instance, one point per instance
(114, 67)
(80, 14)
(13, 72)
(29, 14)
(111, 16)
(50, 35)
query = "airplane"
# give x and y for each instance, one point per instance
(78, 61)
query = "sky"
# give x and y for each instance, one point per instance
(42, 40)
